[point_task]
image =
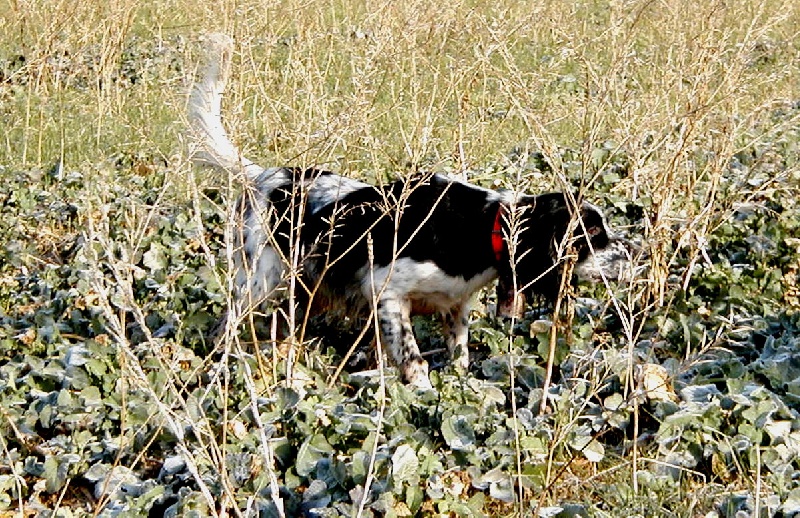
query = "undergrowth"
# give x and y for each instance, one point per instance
(680, 120)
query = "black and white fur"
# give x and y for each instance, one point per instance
(420, 245)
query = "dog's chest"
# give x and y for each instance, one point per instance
(423, 284)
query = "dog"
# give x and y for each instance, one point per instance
(421, 245)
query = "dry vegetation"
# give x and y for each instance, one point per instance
(682, 117)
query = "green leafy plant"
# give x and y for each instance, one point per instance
(113, 263)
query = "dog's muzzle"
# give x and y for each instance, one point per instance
(614, 262)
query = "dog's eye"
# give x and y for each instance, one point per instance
(593, 231)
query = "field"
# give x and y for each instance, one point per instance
(673, 393)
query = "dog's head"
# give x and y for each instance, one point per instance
(542, 231)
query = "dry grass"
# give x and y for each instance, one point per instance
(373, 90)
(371, 87)
(370, 90)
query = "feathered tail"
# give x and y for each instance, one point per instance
(214, 148)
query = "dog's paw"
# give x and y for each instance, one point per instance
(461, 361)
(423, 384)
(416, 374)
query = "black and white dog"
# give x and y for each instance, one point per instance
(421, 245)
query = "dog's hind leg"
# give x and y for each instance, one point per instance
(254, 285)
(456, 330)
(257, 280)
(394, 315)
(258, 267)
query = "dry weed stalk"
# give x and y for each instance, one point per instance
(437, 84)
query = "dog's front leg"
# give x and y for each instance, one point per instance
(456, 328)
(394, 315)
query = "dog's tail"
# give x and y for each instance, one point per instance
(213, 147)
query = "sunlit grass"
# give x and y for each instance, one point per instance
(647, 103)
(366, 87)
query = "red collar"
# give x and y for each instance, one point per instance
(497, 235)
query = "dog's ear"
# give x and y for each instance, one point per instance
(544, 205)
(559, 201)
(554, 210)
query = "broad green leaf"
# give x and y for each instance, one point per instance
(458, 432)
(405, 464)
(310, 452)
(155, 258)
(589, 447)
